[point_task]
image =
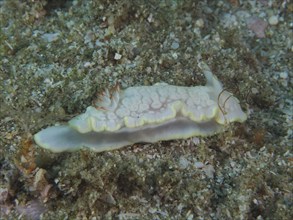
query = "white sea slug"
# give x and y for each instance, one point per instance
(146, 114)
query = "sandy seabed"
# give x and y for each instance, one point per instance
(56, 56)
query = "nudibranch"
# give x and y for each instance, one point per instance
(146, 114)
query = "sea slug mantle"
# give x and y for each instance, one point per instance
(146, 114)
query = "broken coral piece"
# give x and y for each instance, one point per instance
(146, 114)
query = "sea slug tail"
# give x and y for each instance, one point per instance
(59, 139)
